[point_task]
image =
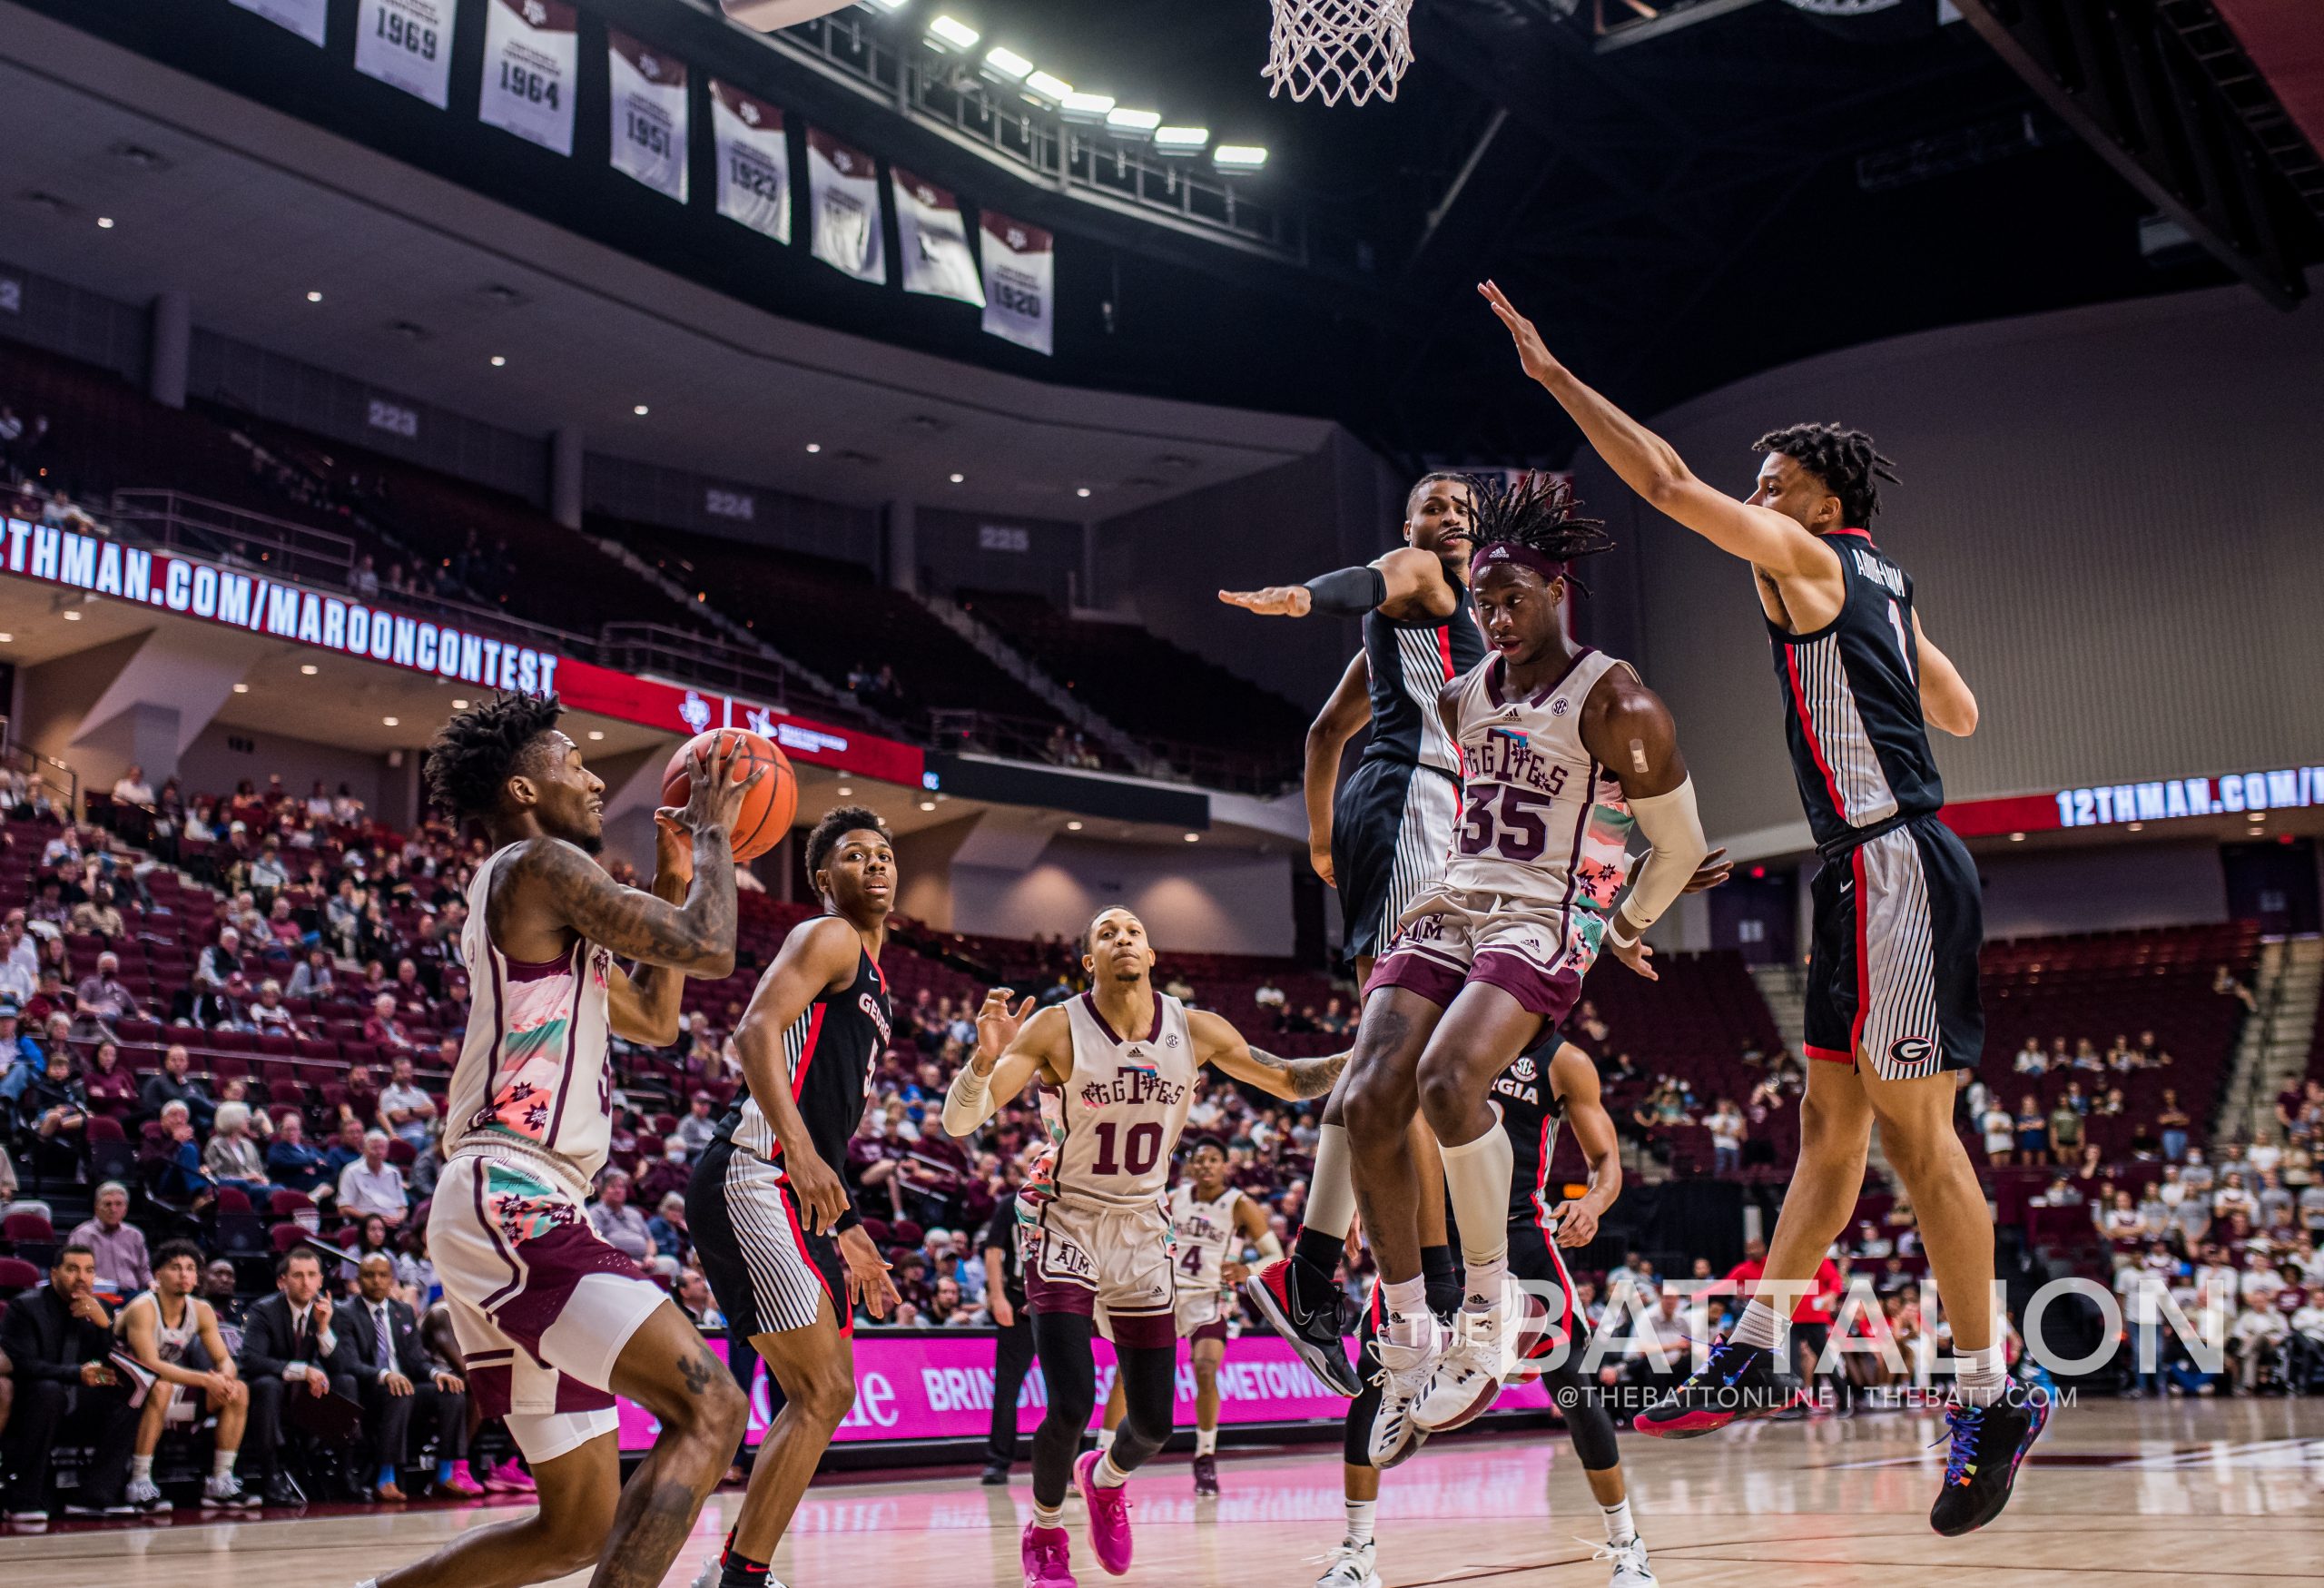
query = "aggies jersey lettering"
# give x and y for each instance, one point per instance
(1852, 701)
(1410, 661)
(831, 1049)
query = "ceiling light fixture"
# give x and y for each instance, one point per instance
(1048, 87)
(1006, 64)
(104, 222)
(72, 616)
(814, 446)
(309, 668)
(1181, 139)
(1080, 490)
(928, 804)
(2017, 838)
(389, 722)
(314, 297)
(1073, 826)
(1194, 838)
(596, 733)
(640, 410)
(498, 360)
(459, 705)
(6, 638)
(242, 689)
(958, 478)
(1238, 156)
(951, 33)
(1084, 107)
(844, 791)
(1133, 123)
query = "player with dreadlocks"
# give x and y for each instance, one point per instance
(1490, 958)
(1892, 982)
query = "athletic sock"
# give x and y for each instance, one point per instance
(1759, 1326)
(1105, 1474)
(1048, 1515)
(1205, 1442)
(221, 1465)
(1477, 1175)
(1105, 1440)
(1983, 1376)
(1619, 1530)
(1442, 1277)
(1319, 1250)
(1409, 1322)
(141, 1469)
(741, 1572)
(1359, 1521)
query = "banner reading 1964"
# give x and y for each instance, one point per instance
(408, 45)
(754, 161)
(304, 18)
(649, 106)
(532, 55)
(1020, 283)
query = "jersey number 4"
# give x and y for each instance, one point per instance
(1521, 833)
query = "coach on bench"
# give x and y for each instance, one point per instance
(56, 1340)
(394, 1377)
(291, 1345)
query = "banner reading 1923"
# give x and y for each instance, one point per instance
(532, 54)
(649, 108)
(754, 161)
(408, 45)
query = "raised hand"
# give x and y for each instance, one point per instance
(997, 1027)
(1532, 351)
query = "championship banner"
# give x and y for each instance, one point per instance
(304, 18)
(649, 105)
(754, 161)
(938, 1384)
(532, 56)
(843, 189)
(408, 45)
(1020, 283)
(933, 238)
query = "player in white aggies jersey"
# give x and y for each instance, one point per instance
(1492, 957)
(551, 1320)
(1118, 1067)
(1211, 1224)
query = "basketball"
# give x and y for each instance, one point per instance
(766, 811)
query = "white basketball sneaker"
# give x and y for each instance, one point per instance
(1403, 1379)
(146, 1496)
(1467, 1375)
(1630, 1570)
(1350, 1566)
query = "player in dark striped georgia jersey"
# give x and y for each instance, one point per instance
(1892, 984)
(780, 1241)
(1379, 838)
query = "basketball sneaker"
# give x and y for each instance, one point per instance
(1350, 1566)
(1468, 1375)
(1630, 1568)
(1988, 1442)
(1048, 1554)
(1108, 1513)
(1737, 1381)
(1206, 1478)
(225, 1489)
(1311, 1316)
(146, 1496)
(1402, 1378)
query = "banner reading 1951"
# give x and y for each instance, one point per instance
(649, 110)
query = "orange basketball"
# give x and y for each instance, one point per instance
(766, 811)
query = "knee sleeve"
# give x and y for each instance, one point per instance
(1587, 1421)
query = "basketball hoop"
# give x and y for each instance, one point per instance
(1341, 49)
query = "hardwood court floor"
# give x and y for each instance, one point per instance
(2116, 1492)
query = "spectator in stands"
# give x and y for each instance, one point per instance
(98, 916)
(112, 1089)
(289, 1345)
(373, 1185)
(364, 579)
(692, 1293)
(2173, 1122)
(57, 1340)
(217, 1282)
(19, 961)
(176, 1082)
(617, 1223)
(1726, 1132)
(117, 1246)
(697, 1131)
(395, 1379)
(102, 997)
(233, 1157)
(54, 1113)
(2033, 1132)
(2226, 983)
(291, 1161)
(2030, 1059)
(220, 960)
(312, 978)
(1270, 997)
(227, 1007)
(2232, 1198)
(181, 1182)
(20, 1057)
(405, 1108)
(667, 1229)
(132, 789)
(383, 1029)
(2000, 1131)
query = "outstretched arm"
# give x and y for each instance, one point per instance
(1219, 1042)
(1348, 709)
(1406, 582)
(1011, 1050)
(1649, 466)
(1945, 698)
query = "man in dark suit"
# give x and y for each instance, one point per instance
(56, 1340)
(292, 1345)
(394, 1378)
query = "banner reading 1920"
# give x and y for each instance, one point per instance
(1020, 283)
(408, 45)
(532, 56)
(649, 109)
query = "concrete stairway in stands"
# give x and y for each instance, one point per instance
(2273, 1053)
(1785, 988)
(1013, 662)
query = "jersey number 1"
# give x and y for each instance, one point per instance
(1903, 640)
(1145, 1149)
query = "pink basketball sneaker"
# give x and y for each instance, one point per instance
(1048, 1555)
(1109, 1514)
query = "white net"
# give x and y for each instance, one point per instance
(1341, 49)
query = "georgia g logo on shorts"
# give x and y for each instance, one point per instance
(1910, 1050)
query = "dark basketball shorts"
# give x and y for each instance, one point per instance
(1893, 972)
(770, 1273)
(1391, 827)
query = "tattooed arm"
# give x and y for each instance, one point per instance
(642, 1004)
(550, 890)
(1219, 1043)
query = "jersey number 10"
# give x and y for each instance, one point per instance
(1145, 1146)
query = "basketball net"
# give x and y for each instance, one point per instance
(1341, 49)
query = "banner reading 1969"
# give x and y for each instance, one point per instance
(408, 45)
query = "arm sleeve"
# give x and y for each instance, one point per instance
(1675, 830)
(1349, 592)
(968, 1103)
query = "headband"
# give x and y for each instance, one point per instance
(1508, 551)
